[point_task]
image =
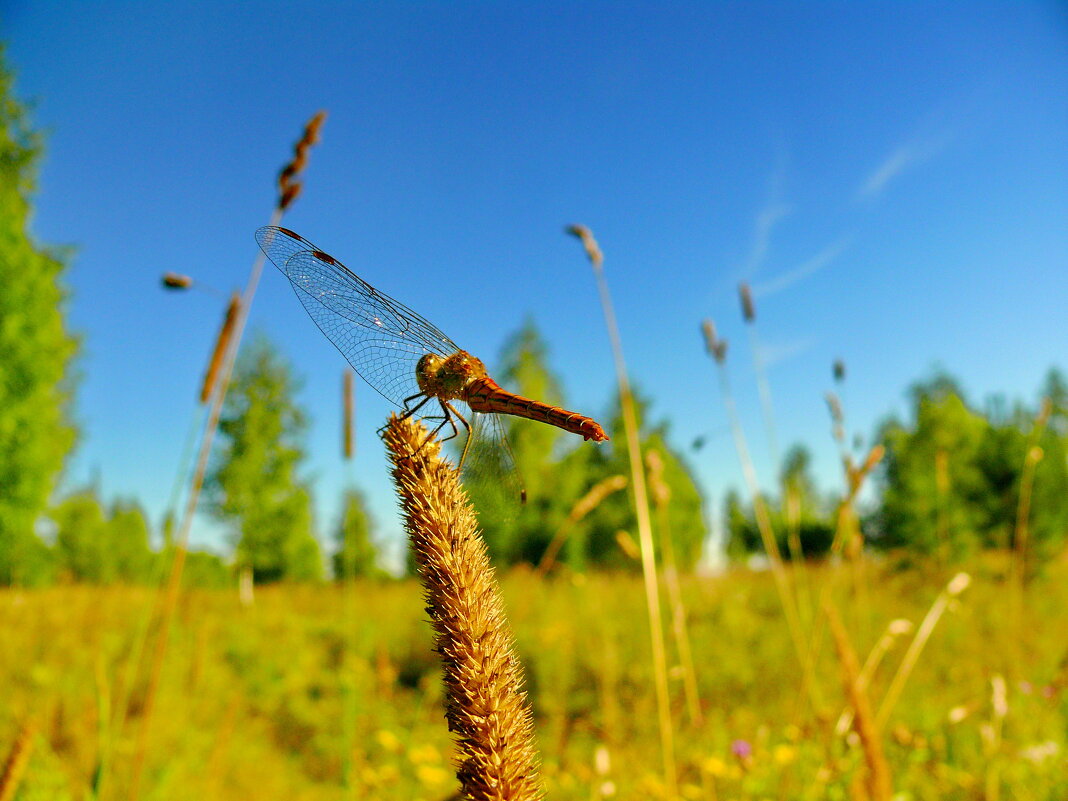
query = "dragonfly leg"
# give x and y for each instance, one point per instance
(406, 411)
(448, 406)
(409, 412)
(432, 434)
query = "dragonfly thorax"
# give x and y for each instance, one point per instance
(447, 377)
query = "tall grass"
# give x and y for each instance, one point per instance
(787, 596)
(641, 505)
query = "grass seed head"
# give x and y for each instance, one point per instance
(593, 250)
(746, 296)
(176, 281)
(485, 705)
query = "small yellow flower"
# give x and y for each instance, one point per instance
(388, 740)
(431, 775)
(784, 754)
(423, 754)
(715, 766)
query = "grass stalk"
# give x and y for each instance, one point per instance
(955, 587)
(847, 534)
(879, 785)
(760, 367)
(586, 504)
(661, 502)
(894, 629)
(641, 508)
(787, 596)
(15, 764)
(288, 191)
(485, 705)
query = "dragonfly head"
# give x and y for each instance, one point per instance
(426, 373)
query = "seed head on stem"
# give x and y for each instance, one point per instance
(485, 705)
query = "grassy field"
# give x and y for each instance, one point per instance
(327, 692)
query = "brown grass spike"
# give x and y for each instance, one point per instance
(15, 765)
(348, 412)
(878, 779)
(485, 707)
(222, 342)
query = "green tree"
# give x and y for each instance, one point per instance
(1049, 523)
(799, 506)
(254, 484)
(802, 507)
(82, 539)
(206, 569)
(933, 486)
(356, 554)
(743, 538)
(35, 349)
(128, 542)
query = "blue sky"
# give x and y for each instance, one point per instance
(892, 179)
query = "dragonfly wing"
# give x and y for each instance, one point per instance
(490, 463)
(380, 337)
(281, 244)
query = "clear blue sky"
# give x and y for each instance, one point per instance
(891, 178)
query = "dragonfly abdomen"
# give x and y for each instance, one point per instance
(486, 395)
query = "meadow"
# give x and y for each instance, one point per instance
(332, 691)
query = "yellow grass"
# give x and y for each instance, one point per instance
(251, 703)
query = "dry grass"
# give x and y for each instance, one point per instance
(879, 787)
(222, 345)
(583, 506)
(253, 700)
(15, 764)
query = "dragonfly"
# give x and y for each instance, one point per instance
(410, 361)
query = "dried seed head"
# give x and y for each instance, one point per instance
(485, 705)
(999, 695)
(661, 491)
(348, 413)
(835, 408)
(721, 351)
(838, 370)
(746, 296)
(958, 584)
(222, 342)
(899, 627)
(627, 544)
(708, 328)
(592, 499)
(288, 188)
(177, 281)
(593, 250)
(289, 194)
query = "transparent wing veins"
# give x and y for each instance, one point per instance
(380, 337)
